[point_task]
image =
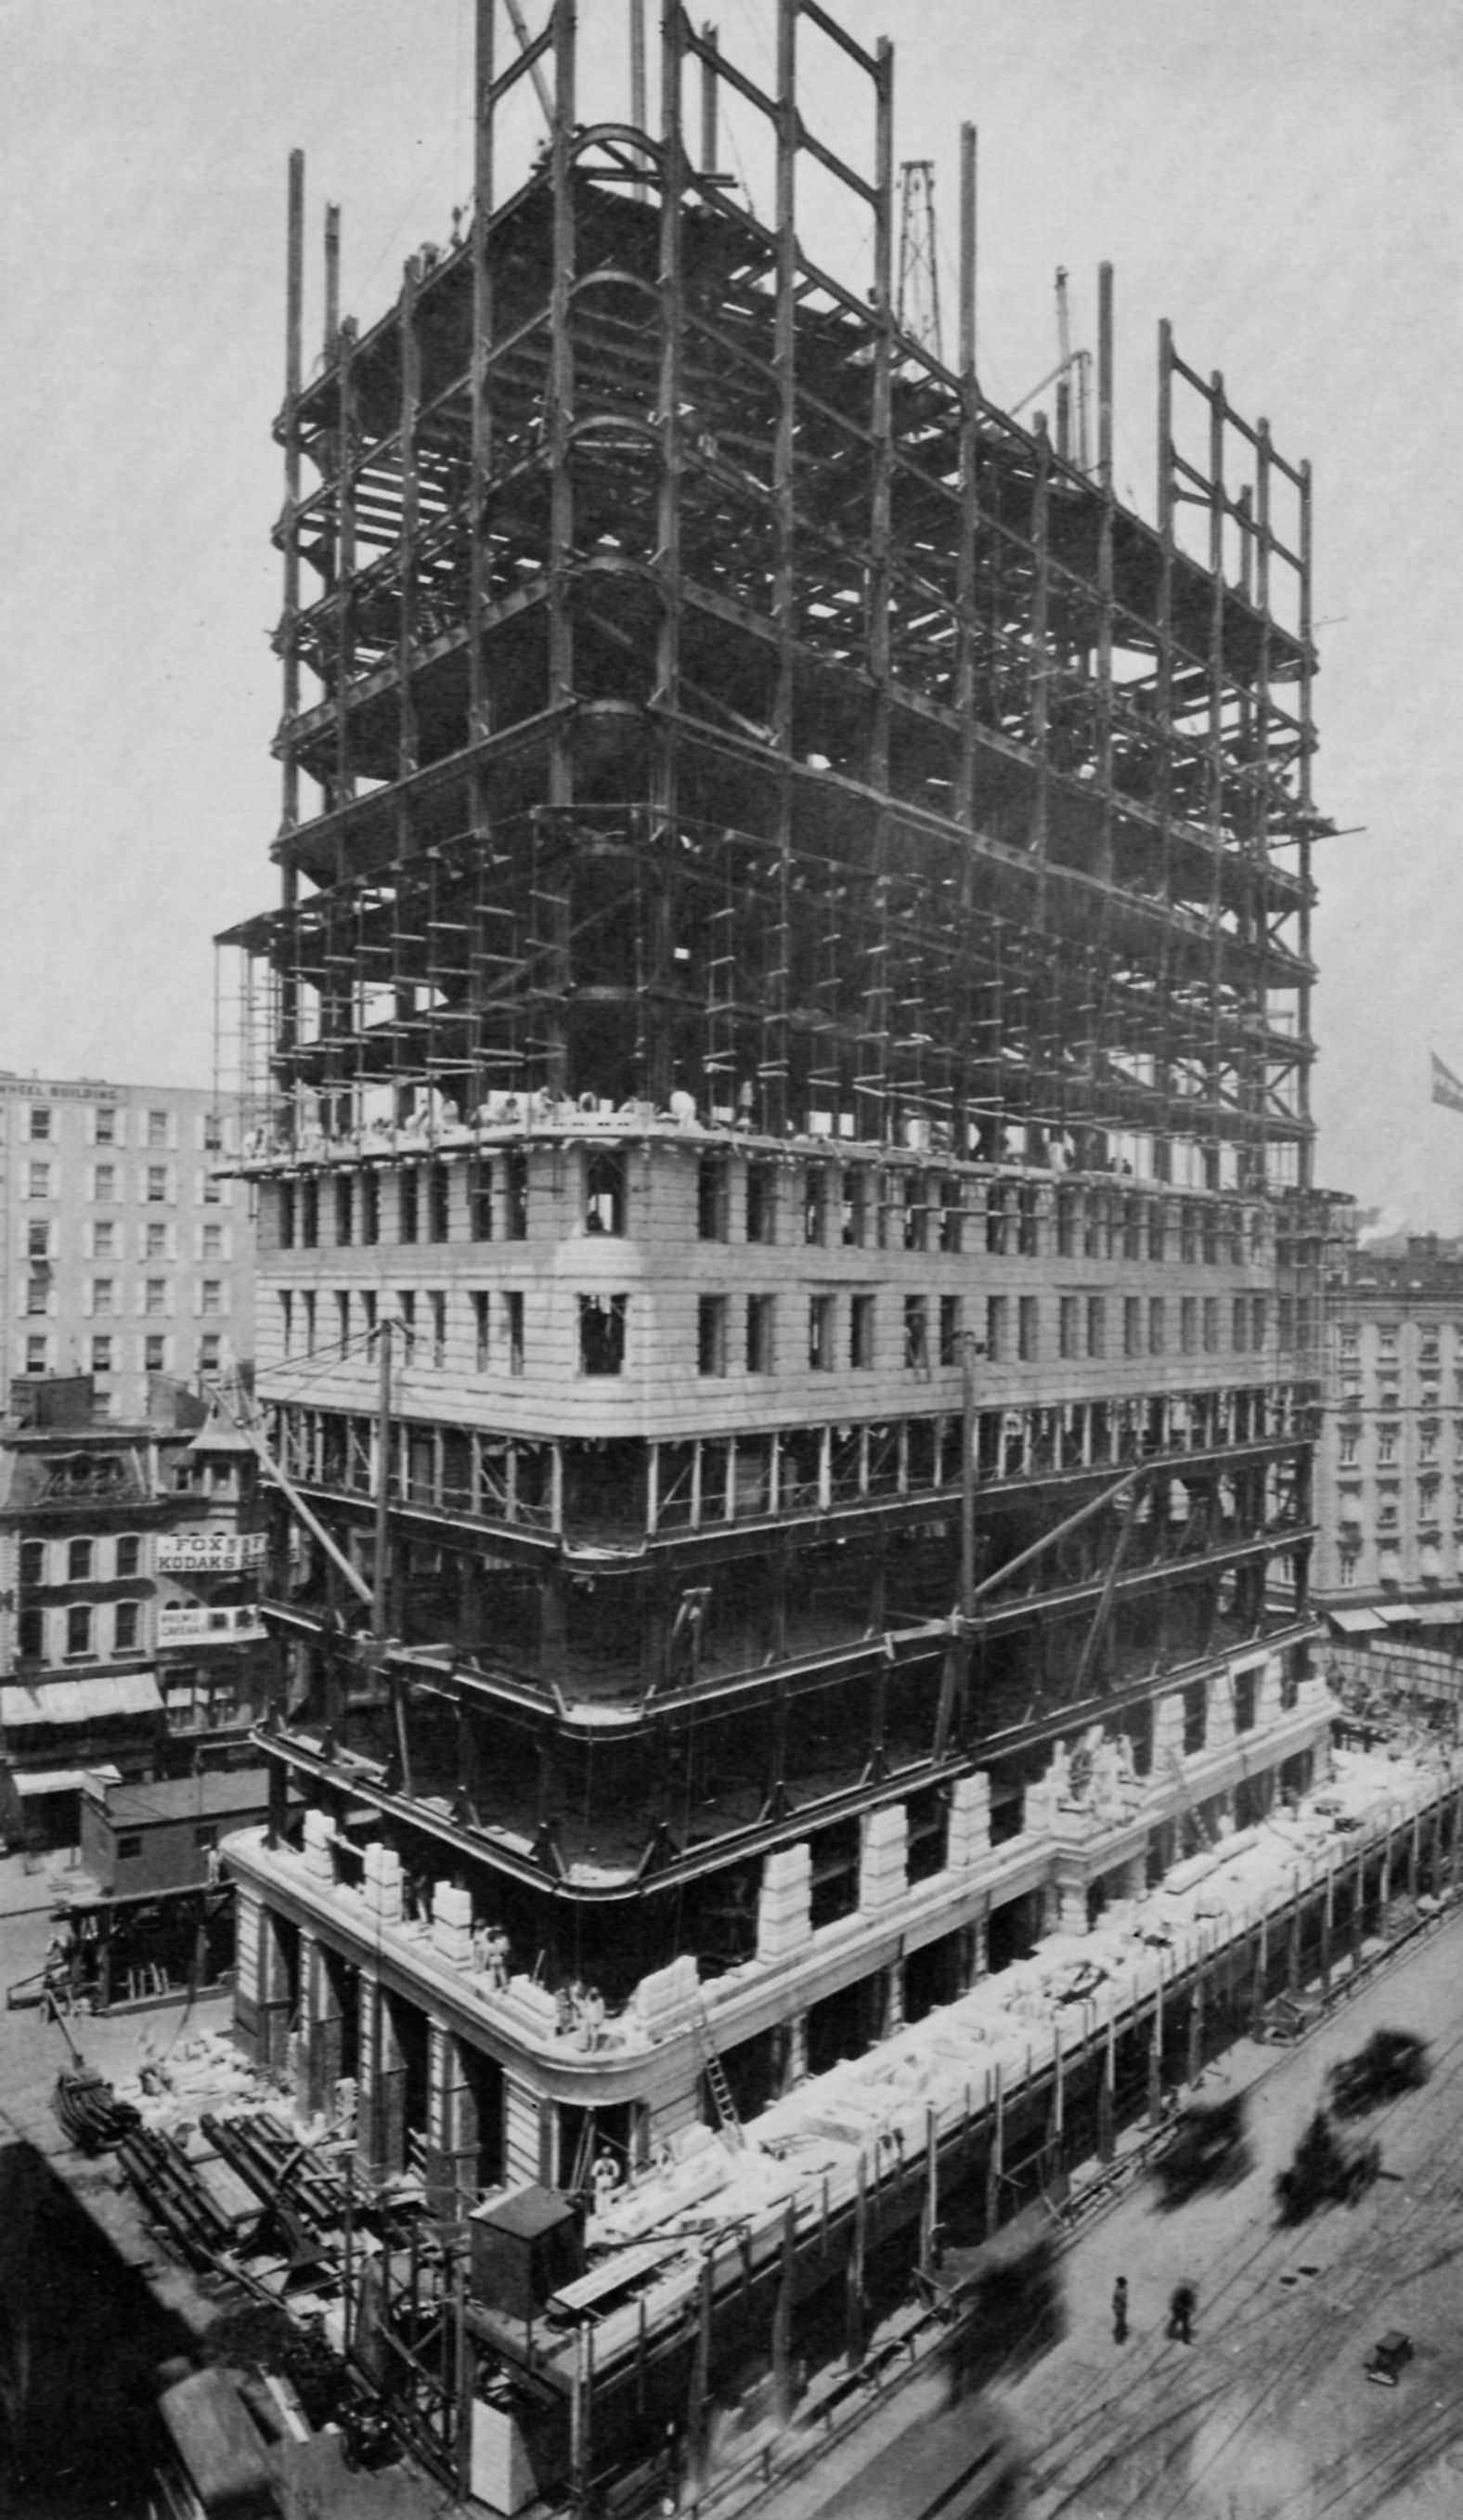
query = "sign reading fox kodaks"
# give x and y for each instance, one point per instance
(210, 1552)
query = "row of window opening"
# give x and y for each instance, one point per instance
(856, 1206)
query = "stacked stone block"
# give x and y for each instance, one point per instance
(969, 1833)
(381, 1884)
(884, 1859)
(784, 1904)
(452, 1922)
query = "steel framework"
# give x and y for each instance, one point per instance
(710, 690)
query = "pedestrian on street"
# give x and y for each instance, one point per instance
(1120, 2310)
(1181, 2314)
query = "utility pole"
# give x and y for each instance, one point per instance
(954, 1677)
(381, 1551)
(381, 1554)
(968, 1344)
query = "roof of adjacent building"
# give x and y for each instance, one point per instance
(209, 1796)
(1428, 1265)
(15, 1087)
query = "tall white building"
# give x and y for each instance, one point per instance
(122, 1254)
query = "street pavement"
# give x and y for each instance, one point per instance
(1268, 2415)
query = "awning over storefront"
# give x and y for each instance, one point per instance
(1356, 1623)
(80, 1701)
(63, 1780)
(1423, 1614)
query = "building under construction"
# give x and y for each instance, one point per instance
(788, 1268)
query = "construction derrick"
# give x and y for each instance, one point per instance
(791, 993)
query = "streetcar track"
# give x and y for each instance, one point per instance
(1384, 2261)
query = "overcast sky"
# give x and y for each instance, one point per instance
(1282, 181)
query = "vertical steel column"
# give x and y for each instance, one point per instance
(1216, 797)
(710, 40)
(877, 598)
(381, 1557)
(560, 415)
(406, 542)
(657, 949)
(332, 280)
(1306, 1166)
(637, 73)
(1039, 694)
(479, 722)
(1262, 720)
(345, 558)
(877, 619)
(288, 1035)
(964, 1088)
(553, 854)
(967, 582)
(289, 627)
(1105, 599)
(969, 168)
(773, 1072)
(1164, 698)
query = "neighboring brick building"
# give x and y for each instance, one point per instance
(122, 1254)
(130, 1638)
(1390, 1463)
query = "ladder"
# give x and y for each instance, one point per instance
(716, 2083)
(584, 2155)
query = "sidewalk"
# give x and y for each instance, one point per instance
(1085, 2388)
(916, 2447)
